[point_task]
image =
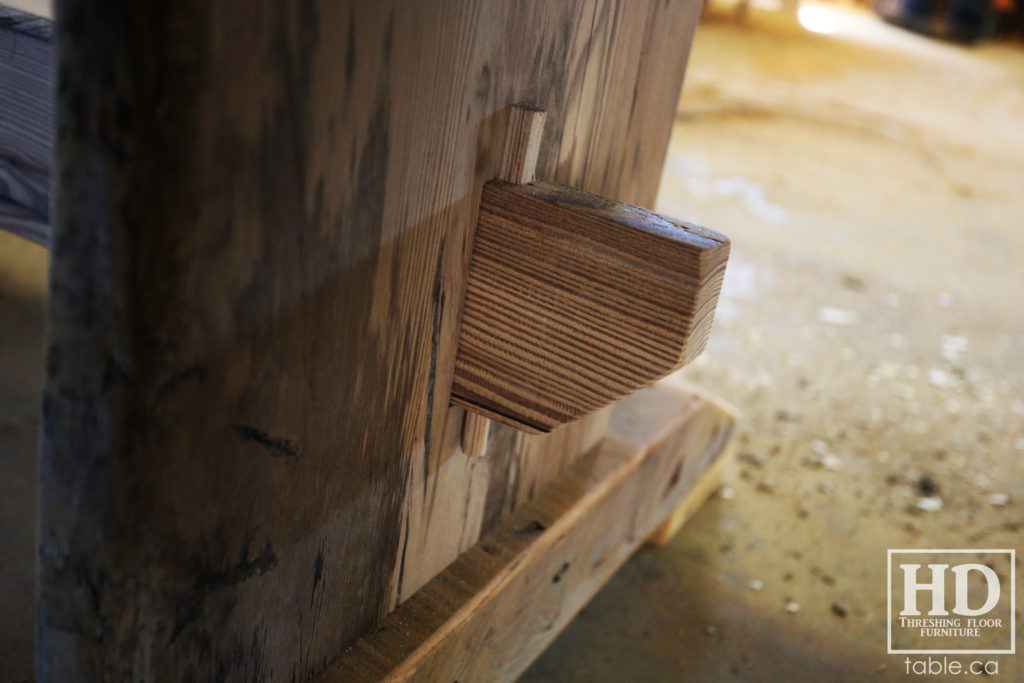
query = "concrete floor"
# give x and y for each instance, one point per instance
(22, 301)
(871, 330)
(872, 333)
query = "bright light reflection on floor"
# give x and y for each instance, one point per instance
(817, 18)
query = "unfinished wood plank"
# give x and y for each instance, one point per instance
(474, 434)
(575, 301)
(703, 489)
(518, 165)
(26, 124)
(488, 615)
(260, 243)
(522, 145)
(466, 496)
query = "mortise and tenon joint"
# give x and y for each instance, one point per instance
(574, 301)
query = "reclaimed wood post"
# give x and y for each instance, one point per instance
(259, 254)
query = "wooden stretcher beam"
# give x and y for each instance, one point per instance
(494, 610)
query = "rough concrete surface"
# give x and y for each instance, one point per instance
(22, 301)
(872, 333)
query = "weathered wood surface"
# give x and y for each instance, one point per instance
(258, 260)
(703, 488)
(575, 301)
(490, 613)
(26, 124)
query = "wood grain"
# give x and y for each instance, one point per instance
(575, 301)
(518, 164)
(475, 431)
(260, 242)
(522, 145)
(703, 488)
(26, 124)
(488, 615)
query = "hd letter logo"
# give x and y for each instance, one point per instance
(951, 601)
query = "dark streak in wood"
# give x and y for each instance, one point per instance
(277, 445)
(245, 569)
(533, 527)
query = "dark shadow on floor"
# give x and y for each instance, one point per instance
(22, 309)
